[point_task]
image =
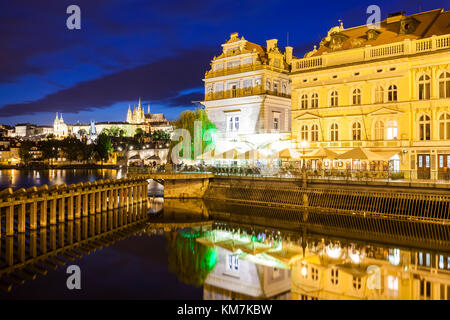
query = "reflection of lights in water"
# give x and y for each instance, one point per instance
(304, 271)
(394, 256)
(355, 255)
(334, 252)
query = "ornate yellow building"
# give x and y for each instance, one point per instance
(384, 89)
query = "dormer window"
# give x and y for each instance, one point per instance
(372, 34)
(408, 25)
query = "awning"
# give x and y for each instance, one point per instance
(251, 155)
(227, 155)
(387, 155)
(360, 154)
(289, 153)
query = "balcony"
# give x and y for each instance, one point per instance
(240, 69)
(367, 53)
(243, 92)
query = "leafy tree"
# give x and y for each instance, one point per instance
(187, 121)
(103, 147)
(114, 131)
(160, 135)
(25, 151)
(122, 133)
(49, 149)
(139, 132)
(82, 132)
(72, 148)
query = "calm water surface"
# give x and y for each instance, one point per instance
(194, 249)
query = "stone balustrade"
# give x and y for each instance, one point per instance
(51, 205)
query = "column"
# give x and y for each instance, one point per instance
(43, 216)
(53, 211)
(98, 203)
(92, 202)
(62, 207)
(10, 219)
(78, 204)
(70, 206)
(21, 217)
(33, 214)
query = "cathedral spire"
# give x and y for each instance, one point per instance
(149, 108)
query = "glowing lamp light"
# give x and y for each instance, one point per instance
(334, 252)
(304, 271)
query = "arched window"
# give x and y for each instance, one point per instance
(334, 99)
(304, 101)
(424, 87)
(392, 130)
(444, 126)
(334, 132)
(314, 132)
(379, 94)
(304, 133)
(379, 130)
(356, 96)
(356, 131)
(444, 85)
(424, 127)
(314, 100)
(392, 93)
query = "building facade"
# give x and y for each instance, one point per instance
(384, 89)
(247, 91)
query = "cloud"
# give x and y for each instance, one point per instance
(157, 81)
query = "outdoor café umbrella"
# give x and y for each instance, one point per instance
(252, 154)
(231, 154)
(359, 153)
(207, 155)
(135, 157)
(288, 153)
(322, 153)
(153, 157)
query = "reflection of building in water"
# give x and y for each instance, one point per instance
(247, 268)
(344, 272)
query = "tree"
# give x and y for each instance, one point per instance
(122, 133)
(103, 147)
(139, 132)
(160, 135)
(72, 148)
(25, 151)
(49, 149)
(82, 132)
(187, 121)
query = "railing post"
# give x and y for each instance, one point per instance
(92, 201)
(62, 207)
(33, 213)
(53, 210)
(98, 203)
(104, 194)
(115, 196)
(70, 205)
(43, 213)
(78, 204)
(10, 218)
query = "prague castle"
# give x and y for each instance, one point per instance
(383, 89)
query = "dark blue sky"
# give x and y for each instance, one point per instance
(158, 50)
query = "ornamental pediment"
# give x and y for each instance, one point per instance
(384, 111)
(307, 116)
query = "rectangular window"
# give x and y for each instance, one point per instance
(276, 121)
(393, 286)
(233, 263)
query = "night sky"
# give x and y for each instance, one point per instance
(158, 50)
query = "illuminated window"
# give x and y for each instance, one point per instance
(379, 130)
(424, 87)
(304, 101)
(356, 131)
(314, 100)
(314, 132)
(392, 93)
(275, 87)
(444, 126)
(314, 274)
(304, 133)
(379, 94)
(392, 130)
(233, 124)
(444, 85)
(392, 286)
(233, 263)
(334, 99)
(425, 127)
(357, 96)
(334, 276)
(357, 283)
(425, 289)
(276, 121)
(334, 132)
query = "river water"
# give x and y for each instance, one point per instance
(194, 249)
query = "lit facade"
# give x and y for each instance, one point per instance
(247, 92)
(384, 89)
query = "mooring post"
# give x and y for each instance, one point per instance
(85, 203)
(116, 200)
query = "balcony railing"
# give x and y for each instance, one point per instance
(243, 92)
(241, 69)
(406, 47)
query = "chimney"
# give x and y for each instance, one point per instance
(271, 44)
(288, 54)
